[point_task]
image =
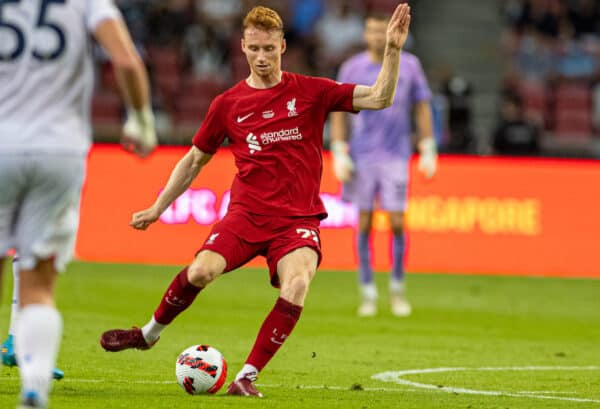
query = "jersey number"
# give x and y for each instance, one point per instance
(42, 22)
(308, 234)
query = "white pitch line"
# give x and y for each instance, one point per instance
(396, 377)
(551, 392)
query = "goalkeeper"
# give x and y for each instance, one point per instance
(371, 154)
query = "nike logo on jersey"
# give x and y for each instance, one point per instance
(241, 119)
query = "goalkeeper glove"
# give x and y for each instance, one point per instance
(427, 157)
(139, 135)
(343, 167)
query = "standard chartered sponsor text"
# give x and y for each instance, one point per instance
(283, 135)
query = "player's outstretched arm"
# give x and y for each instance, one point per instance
(381, 94)
(139, 135)
(181, 178)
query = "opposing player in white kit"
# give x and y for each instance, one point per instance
(46, 81)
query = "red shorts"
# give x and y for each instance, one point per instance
(241, 236)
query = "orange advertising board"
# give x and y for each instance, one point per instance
(478, 215)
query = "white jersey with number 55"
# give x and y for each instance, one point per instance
(46, 73)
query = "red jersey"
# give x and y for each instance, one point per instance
(276, 136)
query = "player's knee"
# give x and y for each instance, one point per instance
(365, 221)
(364, 225)
(397, 229)
(201, 275)
(300, 284)
(295, 286)
(364, 229)
(205, 269)
(397, 222)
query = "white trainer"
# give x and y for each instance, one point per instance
(400, 306)
(368, 308)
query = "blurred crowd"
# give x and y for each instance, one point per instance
(192, 50)
(551, 82)
(550, 90)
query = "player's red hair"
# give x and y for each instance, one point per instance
(263, 18)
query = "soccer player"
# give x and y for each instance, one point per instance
(46, 81)
(274, 122)
(371, 157)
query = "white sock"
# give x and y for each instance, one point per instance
(151, 331)
(37, 340)
(368, 292)
(248, 371)
(397, 287)
(14, 312)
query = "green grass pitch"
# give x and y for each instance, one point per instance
(507, 342)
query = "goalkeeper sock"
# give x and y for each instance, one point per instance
(365, 271)
(398, 245)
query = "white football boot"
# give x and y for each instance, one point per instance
(399, 304)
(368, 306)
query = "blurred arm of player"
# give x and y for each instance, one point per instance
(381, 94)
(426, 145)
(182, 176)
(139, 135)
(343, 166)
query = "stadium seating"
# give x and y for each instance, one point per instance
(573, 110)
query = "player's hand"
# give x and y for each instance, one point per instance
(427, 157)
(397, 30)
(141, 220)
(139, 135)
(343, 167)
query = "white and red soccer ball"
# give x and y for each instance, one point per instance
(201, 369)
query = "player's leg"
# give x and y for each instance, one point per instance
(8, 353)
(399, 303)
(180, 294)
(9, 200)
(393, 199)
(43, 233)
(362, 191)
(368, 289)
(8, 350)
(11, 189)
(38, 332)
(1, 275)
(295, 271)
(223, 251)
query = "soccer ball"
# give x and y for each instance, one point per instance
(201, 369)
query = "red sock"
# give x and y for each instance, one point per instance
(275, 329)
(180, 295)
